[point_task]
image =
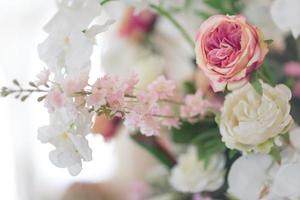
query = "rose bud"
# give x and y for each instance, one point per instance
(108, 128)
(228, 49)
(135, 25)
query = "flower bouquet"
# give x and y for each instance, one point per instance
(210, 88)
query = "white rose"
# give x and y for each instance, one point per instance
(191, 175)
(250, 122)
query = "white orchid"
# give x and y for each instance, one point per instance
(286, 14)
(258, 176)
(67, 131)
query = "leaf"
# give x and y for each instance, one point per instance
(41, 98)
(188, 131)
(32, 84)
(190, 87)
(16, 82)
(275, 153)
(256, 84)
(269, 42)
(24, 98)
(152, 145)
(232, 153)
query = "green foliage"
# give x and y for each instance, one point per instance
(190, 87)
(275, 153)
(230, 7)
(204, 135)
(152, 145)
(188, 131)
(256, 84)
(209, 143)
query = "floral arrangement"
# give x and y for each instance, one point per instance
(232, 125)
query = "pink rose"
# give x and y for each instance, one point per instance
(228, 49)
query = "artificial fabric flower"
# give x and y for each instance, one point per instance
(67, 131)
(292, 69)
(136, 25)
(191, 175)
(228, 49)
(285, 14)
(260, 177)
(249, 121)
(194, 105)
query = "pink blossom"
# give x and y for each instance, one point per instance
(169, 120)
(97, 98)
(194, 105)
(148, 102)
(131, 83)
(149, 126)
(296, 89)
(55, 99)
(74, 83)
(43, 77)
(292, 69)
(163, 88)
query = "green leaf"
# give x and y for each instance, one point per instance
(256, 84)
(275, 153)
(231, 197)
(152, 145)
(269, 42)
(190, 87)
(41, 98)
(187, 131)
(232, 153)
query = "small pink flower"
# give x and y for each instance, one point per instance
(97, 98)
(43, 77)
(163, 88)
(74, 83)
(131, 83)
(194, 105)
(149, 126)
(55, 99)
(296, 89)
(228, 49)
(169, 121)
(292, 69)
(148, 102)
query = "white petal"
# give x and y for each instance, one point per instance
(247, 176)
(287, 181)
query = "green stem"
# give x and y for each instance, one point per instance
(263, 77)
(298, 48)
(166, 14)
(104, 2)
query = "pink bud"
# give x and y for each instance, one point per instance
(292, 69)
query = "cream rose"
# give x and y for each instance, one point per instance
(249, 122)
(190, 174)
(228, 49)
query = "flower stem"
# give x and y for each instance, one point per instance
(166, 14)
(104, 2)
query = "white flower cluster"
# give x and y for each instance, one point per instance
(258, 176)
(67, 51)
(191, 174)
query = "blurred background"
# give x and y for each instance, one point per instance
(26, 172)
